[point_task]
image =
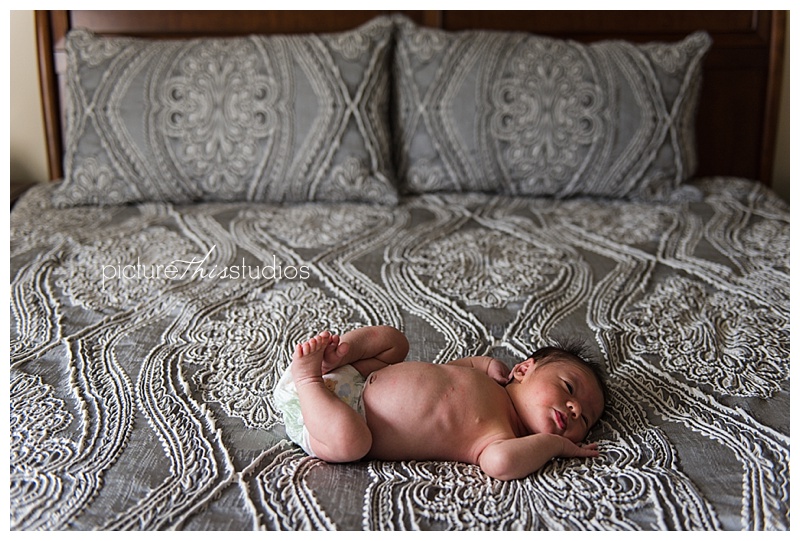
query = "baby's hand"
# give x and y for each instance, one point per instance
(582, 450)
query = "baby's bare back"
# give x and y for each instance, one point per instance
(424, 411)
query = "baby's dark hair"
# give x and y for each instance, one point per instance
(573, 350)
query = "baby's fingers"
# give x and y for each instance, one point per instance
(588, 450)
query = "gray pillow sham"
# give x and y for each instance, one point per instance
(516, 113)
(258, 118)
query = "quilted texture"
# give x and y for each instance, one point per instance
(144, 401)
(278, 118)
(516, 113)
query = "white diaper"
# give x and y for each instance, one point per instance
(345, 382)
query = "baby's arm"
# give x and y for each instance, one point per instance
(492, 367)
(519, 457)
(367, 349)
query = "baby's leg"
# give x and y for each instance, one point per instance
(366, 348)
(338, 433)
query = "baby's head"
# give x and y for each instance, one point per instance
(560, 391)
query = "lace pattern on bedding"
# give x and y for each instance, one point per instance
(522, 114)
(257, 118)
(145, 405)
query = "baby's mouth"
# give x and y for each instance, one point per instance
(561, 420)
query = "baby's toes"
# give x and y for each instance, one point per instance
(314, 345)
(342, 350)
(330, 350)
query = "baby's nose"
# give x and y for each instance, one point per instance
(574, 408)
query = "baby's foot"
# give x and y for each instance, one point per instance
(307, 359)
(334, 354)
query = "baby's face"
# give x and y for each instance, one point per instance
(560, 397)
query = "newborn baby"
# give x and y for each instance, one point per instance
(352, 397)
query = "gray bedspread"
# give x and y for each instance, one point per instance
(145, 341)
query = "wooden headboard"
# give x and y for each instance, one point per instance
(738, 112)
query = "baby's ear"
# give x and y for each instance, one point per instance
(520, 369)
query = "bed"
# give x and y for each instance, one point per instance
(231, 183)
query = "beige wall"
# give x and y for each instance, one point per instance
(28, 158)
(28, 155)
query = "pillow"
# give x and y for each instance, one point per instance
(516, 113)
(257, 118)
